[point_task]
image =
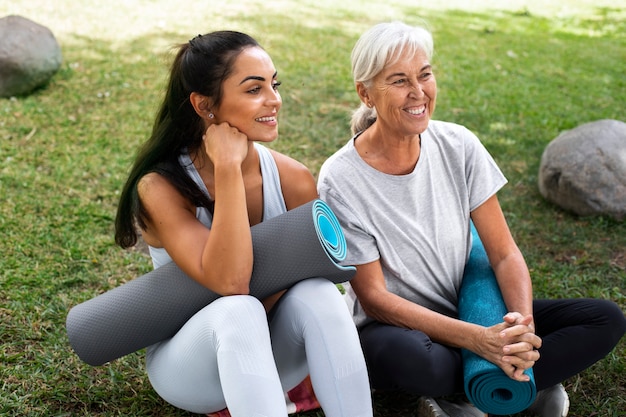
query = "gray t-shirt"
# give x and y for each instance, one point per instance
(416, 224)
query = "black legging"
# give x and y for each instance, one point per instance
(576, 333)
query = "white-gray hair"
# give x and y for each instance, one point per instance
(382, 45)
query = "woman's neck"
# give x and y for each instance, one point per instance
(394, 155)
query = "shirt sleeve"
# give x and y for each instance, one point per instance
(484, 177)
(362, 246)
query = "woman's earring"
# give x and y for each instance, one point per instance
(211, 115)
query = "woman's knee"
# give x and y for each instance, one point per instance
(225, 320)
(314, 309)
(234, 306)
(237, 312)
(604, 314)
(613, 318)
(320, 286)
(320, 297)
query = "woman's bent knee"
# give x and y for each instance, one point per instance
(615, 320)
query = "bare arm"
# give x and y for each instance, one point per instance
(219, 258)
(505, 257)
(384, 306)
(514, 281)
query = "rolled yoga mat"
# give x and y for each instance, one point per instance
(302, 243)
(480, 302)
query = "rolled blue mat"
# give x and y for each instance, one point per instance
(302, 243)
(480, 302)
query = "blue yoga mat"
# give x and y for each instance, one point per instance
(302, 243)
(480, 302)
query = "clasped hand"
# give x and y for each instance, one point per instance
(512, 345)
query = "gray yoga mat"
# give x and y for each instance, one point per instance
(302, 243)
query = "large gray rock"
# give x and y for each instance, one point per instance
(29, 55)
(583, 170)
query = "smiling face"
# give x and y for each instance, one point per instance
(404, 95)
(250, 100)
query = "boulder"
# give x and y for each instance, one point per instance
(583, 170)
(29, 56)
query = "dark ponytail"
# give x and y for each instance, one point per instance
(200, 66)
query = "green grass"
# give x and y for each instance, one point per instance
(516, 76)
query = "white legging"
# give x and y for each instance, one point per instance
(222, 357)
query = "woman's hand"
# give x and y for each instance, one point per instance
(520, 352)
(511, 345)
(225, 144)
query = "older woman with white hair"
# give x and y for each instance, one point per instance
(405, 188)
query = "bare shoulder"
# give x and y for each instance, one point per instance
(154, 187)
(148, 181)
(297, 182)
(162, 201)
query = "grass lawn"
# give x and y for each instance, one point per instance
(516, 73)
